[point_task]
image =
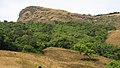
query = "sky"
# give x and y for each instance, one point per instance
(9, 9)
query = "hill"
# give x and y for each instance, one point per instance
(110, 18)
(52, 58)
(40, 14)
(84, 33)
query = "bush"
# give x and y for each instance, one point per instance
(82, 48)
(113, 64)
(62, 41)
(107, 50)
(29, 48)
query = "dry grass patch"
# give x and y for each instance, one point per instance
(114, 37)
(52, 58)
(72, 59)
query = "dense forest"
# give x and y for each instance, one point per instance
(87, 37)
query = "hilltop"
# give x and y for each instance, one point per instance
(40, 14)
(52, 58)
(110, 18)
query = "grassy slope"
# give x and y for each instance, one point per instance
(52, 58)
(114, 37)
(113, 19)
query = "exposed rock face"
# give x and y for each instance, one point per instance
(38, 14)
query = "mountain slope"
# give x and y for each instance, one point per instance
(52, 58)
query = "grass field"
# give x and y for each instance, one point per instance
(52, 58)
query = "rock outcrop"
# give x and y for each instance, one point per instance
(40, 14)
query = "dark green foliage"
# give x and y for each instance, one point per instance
(107, 50)
(87, 37)
(5, 21)
(109, 27)
(117, 54)
(113, 64)
(114, 13)
(29, 48)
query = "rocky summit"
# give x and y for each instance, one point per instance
(40, 14)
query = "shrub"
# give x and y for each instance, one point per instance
(107, 50)
(113, 64)
(82, 48)
(29, 48)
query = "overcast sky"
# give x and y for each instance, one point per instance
(9, 9)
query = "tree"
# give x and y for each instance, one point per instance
(2, 43)
(5, 21)
(82, 48)
(61, 41)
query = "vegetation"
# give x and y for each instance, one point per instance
(113, 64)
(84, 33)
(87, 37)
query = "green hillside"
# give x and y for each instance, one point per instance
(39, 30)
